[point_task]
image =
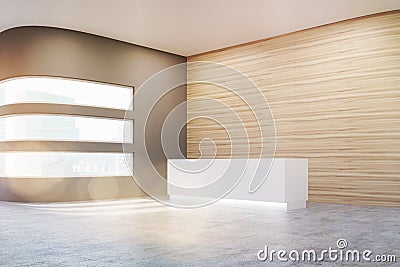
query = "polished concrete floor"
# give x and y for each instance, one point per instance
(142, 232)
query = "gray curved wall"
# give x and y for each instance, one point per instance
(30, 51)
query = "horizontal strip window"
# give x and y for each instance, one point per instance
(61, 109)
(66, 164)
(66, 146)
(65, 128)
(65, 91)
(58, 127)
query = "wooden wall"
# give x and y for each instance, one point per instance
(334, 92)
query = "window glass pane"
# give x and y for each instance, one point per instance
(65, 128)
(65, 91)
(56, 165)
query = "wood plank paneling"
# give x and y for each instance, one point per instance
(334, 92)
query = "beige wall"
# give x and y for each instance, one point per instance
(30, 51)
(334, 92)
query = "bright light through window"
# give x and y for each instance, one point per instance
(65, 91)
(66, 164)
(65, 128)
(70, 124)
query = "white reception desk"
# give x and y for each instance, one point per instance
(285, 183)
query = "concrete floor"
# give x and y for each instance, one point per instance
(142, 232)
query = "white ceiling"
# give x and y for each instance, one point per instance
(186, 27)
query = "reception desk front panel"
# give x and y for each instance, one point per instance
(286, 180)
